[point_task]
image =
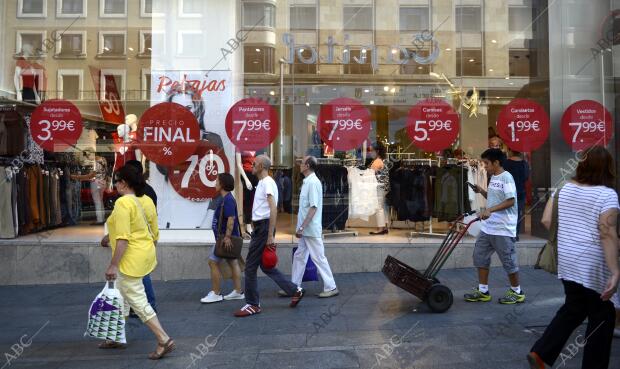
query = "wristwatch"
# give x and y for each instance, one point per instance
(300, 230)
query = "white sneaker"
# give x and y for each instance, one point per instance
(234, 295)
(211, 297)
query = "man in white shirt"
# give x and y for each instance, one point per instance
(310, 230)
(264, 216)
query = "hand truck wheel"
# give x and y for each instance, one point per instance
(439, 298)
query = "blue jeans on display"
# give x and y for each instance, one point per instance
(150, 292)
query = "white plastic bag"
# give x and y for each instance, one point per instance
(105, 316)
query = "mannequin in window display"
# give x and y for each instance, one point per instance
(245, 160)
(27, 77)
(98, 178)
(126, 146)
(378, 155)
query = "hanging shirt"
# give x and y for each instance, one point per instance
(503, 222)
(363, 193)
(311, 196)
(260, 209)
(581, 258)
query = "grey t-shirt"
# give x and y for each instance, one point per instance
(501, 223)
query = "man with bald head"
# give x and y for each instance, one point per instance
(310, 230)
(264, 216)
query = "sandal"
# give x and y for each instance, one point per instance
(168, 347)
(105, 345)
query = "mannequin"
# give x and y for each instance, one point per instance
(125, 147)
(98, 179)
(26, 78)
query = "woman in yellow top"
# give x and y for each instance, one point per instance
(133, 232)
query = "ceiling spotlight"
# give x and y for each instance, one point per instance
(490, 70)
(372, 102)
(386, 88)
(472, 60)
(394, 51)
(272, 93)
(448, 49)
(366, 90)
(307, 103)
(494, 41)
(258, 50)
(393, 90)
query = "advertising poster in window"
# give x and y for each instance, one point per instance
(185, 190)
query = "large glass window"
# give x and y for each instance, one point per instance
(303, 18)
(259, 59)
(113, 8)
(357, 18)
(469, 62)
(256, 14)
(72, 44)
(522, 63)
(112, 43)
(520, 18)
(468, 19)
(71, 7)
(32, 8)
(413, 18)
(359, 62)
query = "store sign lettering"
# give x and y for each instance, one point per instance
(405, 54)
(196, 85)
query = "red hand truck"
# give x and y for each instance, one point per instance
(425, 285)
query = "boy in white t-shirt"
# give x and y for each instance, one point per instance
(498, 232)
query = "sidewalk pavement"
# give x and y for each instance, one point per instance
(371, 325)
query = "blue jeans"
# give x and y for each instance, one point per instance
(150, 292)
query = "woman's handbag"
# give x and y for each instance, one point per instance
(548, 256)
(221, 251)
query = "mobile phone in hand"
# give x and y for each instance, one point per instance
(473, 186)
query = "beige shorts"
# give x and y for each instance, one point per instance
(134, 295)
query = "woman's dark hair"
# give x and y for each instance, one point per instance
(596, 168)
(133, 177)
(226, 181)
(494, 155)
(380, 149)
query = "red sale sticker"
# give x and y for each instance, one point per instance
(523, 125)
(195, 178)
(587, 123)
(168, 133)
(252, 124)
(344, 123)
(56, 125)
(433, 125)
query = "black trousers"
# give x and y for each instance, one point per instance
(580, 303)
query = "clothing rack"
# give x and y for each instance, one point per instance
(430, 232)
(332, 161)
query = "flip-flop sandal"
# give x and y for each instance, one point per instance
(168, 347)
(106, 345)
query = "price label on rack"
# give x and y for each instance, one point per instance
(168, 133)
(523, 125)
(344, 123)
(433, 125)
(252, 124)
(56, 125)
(195, 178)
(587, 123)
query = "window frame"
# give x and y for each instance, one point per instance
(103, 14)
(112, 72)
(60, 14)
(182, 14)
(21, 14)
(59, 35)
(142, 42)
(273, 61)
(100, 51)
(428, 19)
(346, 68)
(143, 83)
(179, 49)
(144, 14)
(372, 16)
(456, 19)
(459, 73)
(19, 41)
(259, 27)
(70, 72)
(316, 19)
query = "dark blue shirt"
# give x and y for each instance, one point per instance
(230, 210)
(520, 171)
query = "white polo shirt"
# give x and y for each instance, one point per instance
(260, 209)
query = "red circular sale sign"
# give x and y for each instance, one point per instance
(168, 133)
(194, 179)
(587, 123)
(252, 124)
(344, 123)
(523, 125)
(433, 125)
(56, 125)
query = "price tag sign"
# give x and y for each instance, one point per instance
(56, 125)
(252, 124)
(194, 179)
(168, 133)
(523, 125)
(587, 123)
(433, 125)
(344, 123)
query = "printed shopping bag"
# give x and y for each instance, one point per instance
(105, 317)
(310, 275)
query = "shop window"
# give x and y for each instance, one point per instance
(152, 8)
(70, 8)
(357, 18)
(303, 68)
(354, 67)
(469, 62)
(520, 19)
(72, 44)
(259, 15)
(70, 84)
(522, 63)
(414, 18)
(259, 59)
(468, 19)
(31, 8)
(191, 8)
(190, 44)
(119, 79)
(415, 68)
(112, 8)
(152, 43)
(112, 43)
(303, 18)
(30, 42)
